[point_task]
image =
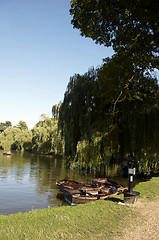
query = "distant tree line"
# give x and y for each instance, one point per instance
(4, 125)
(44, 138)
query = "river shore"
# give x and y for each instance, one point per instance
(103, 219)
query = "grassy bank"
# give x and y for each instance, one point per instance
(149, 190)
(103, 219)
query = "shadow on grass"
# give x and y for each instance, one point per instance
(114, 199)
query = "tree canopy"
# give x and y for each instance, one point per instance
(75, 116)
(130, 27)
(4, 125)
(126, 89)
(43, 138)
(22, 125)
(104, 117)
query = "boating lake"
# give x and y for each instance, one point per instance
(28, 182)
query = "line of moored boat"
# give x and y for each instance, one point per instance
(77, 192)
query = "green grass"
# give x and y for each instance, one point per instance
(103, 219)
(148, 190)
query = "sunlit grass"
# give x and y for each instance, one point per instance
(100, 219)
(148, 189)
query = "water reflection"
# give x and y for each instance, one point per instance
(28, 181)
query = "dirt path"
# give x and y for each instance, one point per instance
(146, 227)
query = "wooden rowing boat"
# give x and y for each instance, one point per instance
(70, 184)
(77, 193)
(105, 182)
(76, 196)
(96, 183)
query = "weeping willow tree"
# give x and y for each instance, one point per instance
(76, 116)
(81, 122)
(108, 113)
(46, 138)
(127, 92)
(128, 96)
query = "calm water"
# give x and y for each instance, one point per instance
(28, 181)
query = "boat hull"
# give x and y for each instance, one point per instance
(74, 197)
(80, 193)
(105, 182)
(70, 184)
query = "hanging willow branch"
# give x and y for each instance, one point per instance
(125, 87)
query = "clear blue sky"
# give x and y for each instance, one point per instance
(39, 52)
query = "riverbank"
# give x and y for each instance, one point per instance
(103, 219)
(147, 227)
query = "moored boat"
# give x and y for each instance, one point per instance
(76, 196)
(77, 193)
(70, 184)
(7, 153)
(105, 182)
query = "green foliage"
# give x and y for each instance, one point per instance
(46, 138)
(120, 80)
(15, 138)
(7, 138)
(55, 110)
(23, 140)
(125, 93)
(130, 27)
(4, 125)
(105, 116)
(130, 102)
(43, 138)
(22, 125)
(76, 112)
(94, 154)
